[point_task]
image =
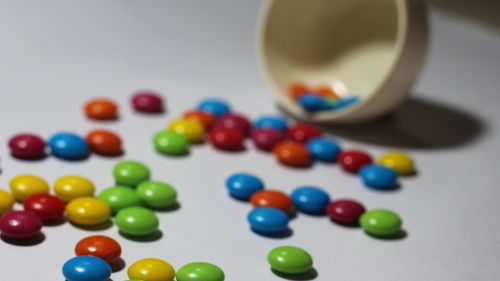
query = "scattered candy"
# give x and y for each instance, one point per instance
(130, 173)
(137, 221)
(242, 186)
(292, 154)
(7, 200)
(205, 118)
(27, 146)
(345, 211)
(99, 246)
(104, 142)
(302, 132)
(310, 199)
(68, 146)
(23, 186)
(272, 198)
(378, 177)
(353, 160)
(147, 102)
(400, 162)
(290, 260)
(46, 206)
(70, 187)
(268, 220)
(380, 222)
(156, 194)
(88, 211)
(271, 122)
(20, 224)
(86, 268)
(119, 197)
(101, 109)
(171, 143)
(190, 128)
(216, 107)
(266, 139)
(323, 149)
(151, 270)
(234, 121)
(226, 139)
(200, 271)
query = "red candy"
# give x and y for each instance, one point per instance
(234, 121)
(345, 211)
(147, 102)
(46, 206)
(20, 224)
(272, 198)
(353, 160)
(226, 139)
(302, 132)
(27, 146)
(266, 139)
(100, 246)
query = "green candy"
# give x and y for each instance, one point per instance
(290, 260)
(380, 222)
(137, 221)
(200, 271)
(170, 143)
(130, 173)
(119, 197)
(156, 194)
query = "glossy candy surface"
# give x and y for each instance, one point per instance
(242, 185)
(7, 200)
(271, 122)
(100, 246)
(151, 270)
(88, 211)
(20, 224)
(292, 154)
(378, 177)
(147, 102)
(323, 149)
(27, 146)
(46, 206)
(314, 103)
(268, 220)
(266, 139)
(68, 146)
(353, 160)
(23, 186)
(310, 199)
(86, 268)
(227, 139)
(171, 143)
(119, 197)
(101, 109)
(380, 222)
(302, 132)
(400, 162)
(188, 127)
(216, 107)
(199, 271)
(156, 194)
(130, 173)
(137, 221)
(345, 211)
(205, 118)
(290, 260)
(104, 142)
(234, 121)
(272, 198)
(71, 187)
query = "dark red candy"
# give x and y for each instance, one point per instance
(302, 132)
(353, 160)
(20, 224)
(234, 121)
(345, 211)
(266, 139)
(147, 102)
(226, 139)
(27, 146)
(46, 206)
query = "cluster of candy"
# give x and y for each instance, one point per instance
(321, 98)
(96, 255)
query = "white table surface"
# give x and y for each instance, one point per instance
(55, 55)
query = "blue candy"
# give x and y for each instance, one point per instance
(271, 122)
(314, 103)
(268, 220)
(323, 149)
(379, 177)
(241, 186)
(215, 107)
(345, 102)
(310, 199)
(68, 146)
(86, 268)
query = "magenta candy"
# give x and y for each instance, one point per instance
(147, 102)
(20, 224)
(234, 121)
(27, 146)
(266, 139)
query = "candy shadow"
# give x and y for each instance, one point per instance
(100, 227)
(71, 160)
(105, 121)
(279, 235)
(111, 155)
(172, 208)
(231, 151)
(347, 225)
(56, 222)
(35, 159)
(309, 275)
(146, 238)
(174, 156)
(118, 265)
(395, 188)
(32, 241)
(400, 235)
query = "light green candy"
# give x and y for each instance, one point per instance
(171, 143)
(156, 194)
(137, 221)
(290, 260)
(130, 173)
(200, 271)
(380, 222)
(119, 197)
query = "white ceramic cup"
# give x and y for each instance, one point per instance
(371, 48)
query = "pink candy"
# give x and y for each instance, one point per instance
(266, 139)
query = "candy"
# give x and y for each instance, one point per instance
(87, 211)
(346, 102)
(266, 139)
(104, 142)
(323, 149)
(46, 206)
(151, 270)
(325, 91)
(170, 143)
(20, 224)
(101, 109)
(86, 268)
(302, 132)
(137, 221)
(130, 173)
(119, 197)
(378, 177)
(27, 146)
(226, 139)
(353, 160)
(234, 121)
(272, 198)
(6, 201)
(190, 128)
(297, 89)
(268, 220)
(23, 186)
(99, 246)
(156, 194)
(215, 107)
(314, 103)
(380, 222)
(147, 102)
(400, 162)
(310, 199)
(292, 154)
(345, 211)
(242, 186)
(71, 187)
(271, 122)
(290, 260)
(200, 271)
(69, 146)
(205, 118)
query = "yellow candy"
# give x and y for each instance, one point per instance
(23, 186)
(6, 201)
(88, 211)
(400, 162)
(151, 270)
(190, 128)
(71, 187)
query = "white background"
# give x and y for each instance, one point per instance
(55, 55)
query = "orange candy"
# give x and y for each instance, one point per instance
(203, 117)
(100, 246)
(292, 154)
(104, 142)
(297, 89)
(272, 198)
(326, 92)
(101, 109)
